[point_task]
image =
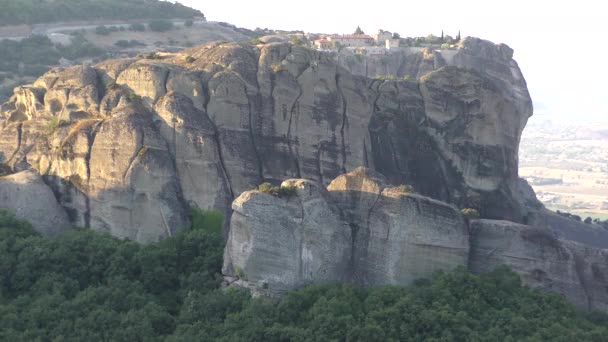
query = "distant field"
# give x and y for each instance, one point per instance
(567, 165)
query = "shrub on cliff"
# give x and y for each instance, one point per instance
(470, 213)
(278, 191)
(405, 188)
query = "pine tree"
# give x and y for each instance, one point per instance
(442, 36)
(359, 30)
(458, 36)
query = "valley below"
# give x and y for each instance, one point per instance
(566, 163)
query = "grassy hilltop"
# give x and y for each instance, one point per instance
(15, 12)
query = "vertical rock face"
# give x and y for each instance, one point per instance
(199, 127)
(358, 231)
(287, 242)
(368, 233)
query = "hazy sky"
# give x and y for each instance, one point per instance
(561, 46)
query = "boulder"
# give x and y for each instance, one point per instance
(29, 198)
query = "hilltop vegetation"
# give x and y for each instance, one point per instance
(86, 286)
(15, 12)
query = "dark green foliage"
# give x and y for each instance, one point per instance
(38, 53)
(137, 27)
(102, 30)
(152, 55)
(128, 43)
(160, 25)
(44, 11)
(405, 188)
(86, 286)
(278, 191)
(188, 23)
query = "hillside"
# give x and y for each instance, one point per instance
(16, 12)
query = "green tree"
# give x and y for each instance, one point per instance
(160, 25)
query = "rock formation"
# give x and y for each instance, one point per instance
(361, 231)
(366, 232)
(26, 195)
(577, 271)
(128, 146)
(198, 127)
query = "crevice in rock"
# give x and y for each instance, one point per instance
(394, 155)
(138, 150)
(344, 122)
(87, 160)
(254, 146)
(220, 155)
(19, 138)
(295, 108)
(67, 100)
(365, 157)
(165, 81)
(318, 159)
(579, 265)
(377, 90)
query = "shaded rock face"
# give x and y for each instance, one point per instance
(287, 243)
(25, 194)
(199, 127)
(360, 231)
(577, 271)
(368, 233)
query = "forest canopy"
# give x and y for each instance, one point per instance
(87, 286)
(16, 12)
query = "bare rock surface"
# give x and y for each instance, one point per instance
(287, 243)
(211, 122)
(542, 260)
(29, 198)
(315, 237)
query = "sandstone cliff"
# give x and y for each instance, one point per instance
(128, 145)
(365, 232)
(360, 230)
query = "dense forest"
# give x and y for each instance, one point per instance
(87, 286)
(15, 12)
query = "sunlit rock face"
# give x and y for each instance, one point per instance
(199, 127)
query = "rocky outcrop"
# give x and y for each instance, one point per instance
(368, 233)
(399, 236)
(543, 261)
(285, 243)
(198, 127)
(28, 197)
(359, 231)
